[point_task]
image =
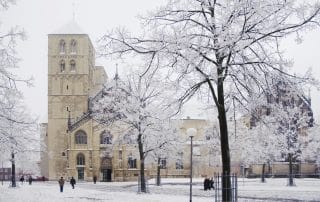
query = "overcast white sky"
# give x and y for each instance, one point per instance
(41, 17)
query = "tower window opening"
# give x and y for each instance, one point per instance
(62, 46)
(73, 47)
(72, 65)
(62, 66)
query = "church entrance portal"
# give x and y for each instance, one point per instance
(106, 175)
(106, 169)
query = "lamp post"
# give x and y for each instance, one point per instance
(191, 132)
(13, 171)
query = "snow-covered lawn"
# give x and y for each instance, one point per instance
(171, 190)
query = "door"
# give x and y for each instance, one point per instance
(80, 173)
(106, 175)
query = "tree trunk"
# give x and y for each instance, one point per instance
(290, 171)
(158, 172)
(263, 173)
(224, 140)
(142, 178)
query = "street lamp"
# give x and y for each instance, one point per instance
(13, 171)
(191, 132)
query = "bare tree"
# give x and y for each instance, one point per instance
(231, 48)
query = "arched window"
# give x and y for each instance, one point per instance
(81, 137)
(62, 66)
(62, 46)
(105, 138)
(80, 159)
(72, 65)
(73, 47)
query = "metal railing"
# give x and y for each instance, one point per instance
(219, 189)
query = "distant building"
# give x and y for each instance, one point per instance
(5, 174)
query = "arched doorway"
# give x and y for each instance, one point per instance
(106, 169)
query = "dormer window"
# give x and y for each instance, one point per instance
(62, 66)
(62, 46)
(73, 47)
(72, 65)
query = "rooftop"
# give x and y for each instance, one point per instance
(69, 28)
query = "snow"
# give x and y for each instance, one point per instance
(171, 190)
(69, 28)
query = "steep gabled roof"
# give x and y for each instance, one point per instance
(69, 28)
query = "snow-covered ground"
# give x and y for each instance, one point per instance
(171, 190)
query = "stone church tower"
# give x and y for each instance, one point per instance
(72, 79)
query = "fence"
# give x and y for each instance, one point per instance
(139, 184)
(218, 187)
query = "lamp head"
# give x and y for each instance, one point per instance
(191, 132)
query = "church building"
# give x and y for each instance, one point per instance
(78, 146)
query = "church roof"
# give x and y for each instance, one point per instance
(69, 28)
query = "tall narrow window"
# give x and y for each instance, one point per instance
(62, 66)
(132, 162)
(163, 163)
(179, 162)
(62, 46)
(72, 65)
(81, 137)
(73, 47)
(120, 155)
(80, 159)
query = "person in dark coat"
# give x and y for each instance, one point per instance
(22, 179)
(61, 183)
(72, 182)
(94, 179)
(30, 180)
(206, 184)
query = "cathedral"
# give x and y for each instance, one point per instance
(78, 146)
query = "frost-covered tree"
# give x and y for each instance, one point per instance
(18, 131)
(230, 48)
(137, 104)
(311, 151)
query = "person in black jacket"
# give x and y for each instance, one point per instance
(72, 182)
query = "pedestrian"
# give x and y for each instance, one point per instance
(206, 184)
(72, 182)
(30, 180)
(22, 179)
(94, 179)
(61, 183)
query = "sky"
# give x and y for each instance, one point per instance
(41, 17)
(172, 189)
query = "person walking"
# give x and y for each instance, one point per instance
(22, 179)
(94, 179)
(61, 183)
(30, 180)
(72, 182)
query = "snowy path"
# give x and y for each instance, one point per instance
(171, 190)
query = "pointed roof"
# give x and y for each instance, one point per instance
(69, 28)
